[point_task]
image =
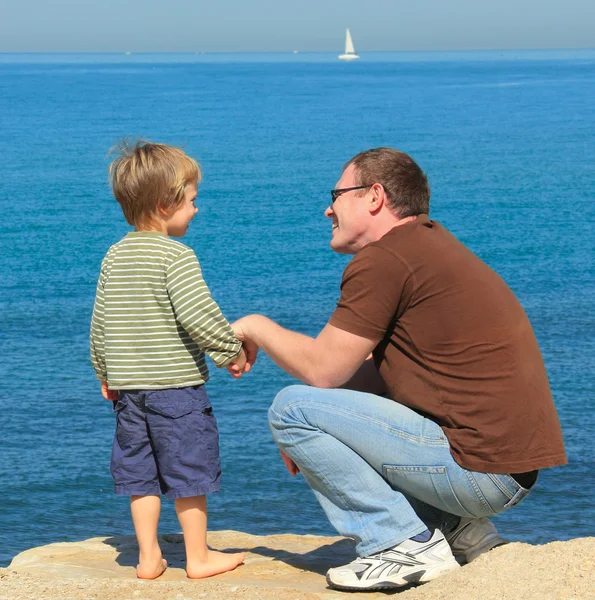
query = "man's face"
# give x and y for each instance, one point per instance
(350, 217)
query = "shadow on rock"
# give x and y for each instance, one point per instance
(172, 546)
(318, 561)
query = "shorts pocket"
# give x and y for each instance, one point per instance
(429, 484)
(124, 422)
(120, 404)
(201, 442)
(165, 406)
(169, 414)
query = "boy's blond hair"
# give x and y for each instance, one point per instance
(147, 176)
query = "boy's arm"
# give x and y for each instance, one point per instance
(97, 334)
(198, 313)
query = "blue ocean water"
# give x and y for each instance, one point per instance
(508, 142)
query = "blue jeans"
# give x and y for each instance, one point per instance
(381, 472)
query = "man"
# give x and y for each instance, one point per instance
(411, 449)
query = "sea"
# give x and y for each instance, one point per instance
(507, 140)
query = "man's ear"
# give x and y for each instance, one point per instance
(377, 198)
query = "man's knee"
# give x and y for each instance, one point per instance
(278, 412)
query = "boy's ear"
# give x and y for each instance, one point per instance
(162, 211)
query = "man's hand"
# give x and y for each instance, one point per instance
(111, 395)
(291, 466)
(248, 346)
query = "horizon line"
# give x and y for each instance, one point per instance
(192, 52)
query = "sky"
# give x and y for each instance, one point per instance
(284, 26)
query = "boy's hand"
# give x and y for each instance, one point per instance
(239, 365)
(111, 395)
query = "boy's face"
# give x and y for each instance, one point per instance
(179, 217)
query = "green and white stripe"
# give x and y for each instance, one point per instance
(154, 318)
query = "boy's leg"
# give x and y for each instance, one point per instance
(134, 470)
(145, 516)
(200, 561)
(184, 434)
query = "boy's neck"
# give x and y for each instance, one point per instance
(156, 225)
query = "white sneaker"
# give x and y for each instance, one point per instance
(473, 537)
(407, 563)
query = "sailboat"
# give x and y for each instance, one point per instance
(349, 49)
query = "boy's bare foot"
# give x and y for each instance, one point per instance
(215, 563)
(151, 570)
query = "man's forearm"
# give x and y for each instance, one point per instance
(294, 352)
(326, 362)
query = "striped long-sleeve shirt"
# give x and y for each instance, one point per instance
(154, 318)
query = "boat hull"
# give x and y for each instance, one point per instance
(348, 56)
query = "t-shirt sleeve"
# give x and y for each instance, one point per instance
(97, 335)
(197, 312)
(375, 291)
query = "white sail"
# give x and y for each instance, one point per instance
(349, 49)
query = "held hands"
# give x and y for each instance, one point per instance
(243, 363)
(111, 395)
(239, 366)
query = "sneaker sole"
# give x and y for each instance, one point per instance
(471, 554)
(421, 576)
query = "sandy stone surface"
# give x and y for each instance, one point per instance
(288, 567)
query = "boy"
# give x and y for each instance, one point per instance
(153, 321)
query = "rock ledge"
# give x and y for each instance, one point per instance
(287, 567)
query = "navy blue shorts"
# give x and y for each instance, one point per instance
(166, 442)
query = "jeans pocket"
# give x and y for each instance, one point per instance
(512, 491)
(429, 484)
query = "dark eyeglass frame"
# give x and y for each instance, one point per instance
(336, 193)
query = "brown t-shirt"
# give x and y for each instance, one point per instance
(455, 345)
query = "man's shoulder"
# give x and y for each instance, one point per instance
(420, 240)
(414, 231)
(398, 243)
(377, 261)
(406, 248)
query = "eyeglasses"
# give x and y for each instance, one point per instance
(336, 193)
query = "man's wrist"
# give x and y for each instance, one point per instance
(252, 326)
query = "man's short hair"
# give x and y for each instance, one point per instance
(405, 184)
(145, 176)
